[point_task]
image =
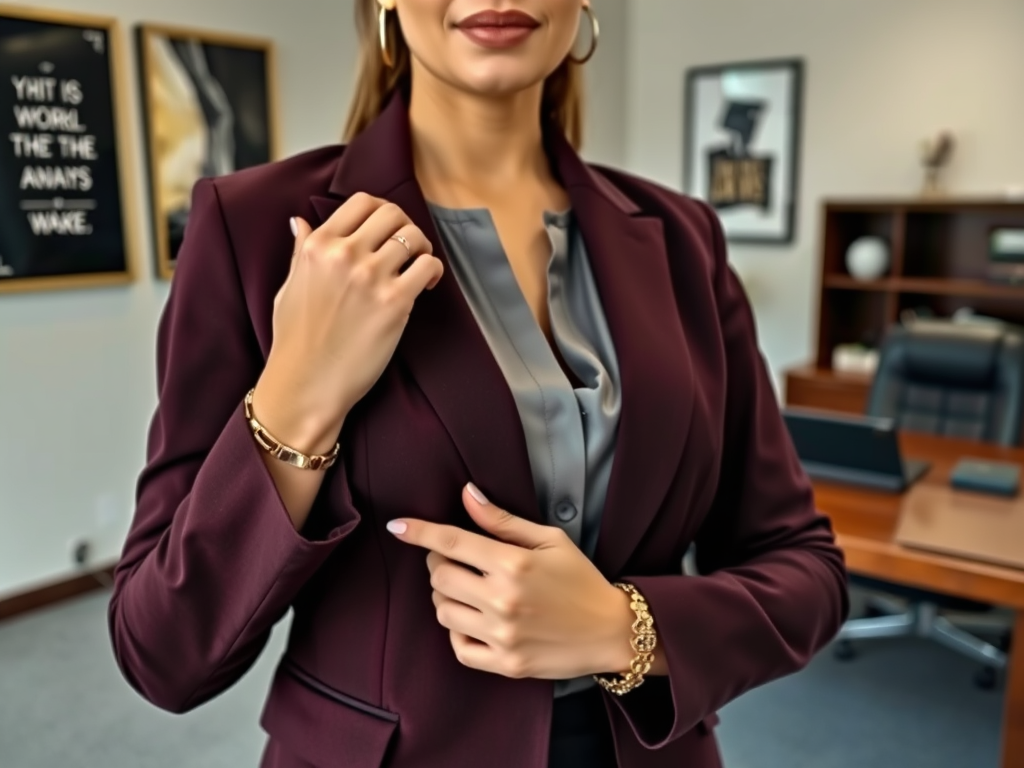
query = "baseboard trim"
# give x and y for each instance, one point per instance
(51, 594)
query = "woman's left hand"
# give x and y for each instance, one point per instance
(534, 606)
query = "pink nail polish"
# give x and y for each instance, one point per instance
(397, 527)
(477, 494)
(294, 226)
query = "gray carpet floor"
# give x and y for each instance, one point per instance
(901, 704)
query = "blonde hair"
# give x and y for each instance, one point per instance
(376, 83)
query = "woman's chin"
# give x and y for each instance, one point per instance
(500, 85)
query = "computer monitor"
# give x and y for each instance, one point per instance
(846, 448)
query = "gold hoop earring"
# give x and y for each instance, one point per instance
(385, 53)
(595, 29)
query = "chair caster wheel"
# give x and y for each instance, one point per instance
(985, 678)
(844, 650)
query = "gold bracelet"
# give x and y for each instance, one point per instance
(282, 452)
(643, 643)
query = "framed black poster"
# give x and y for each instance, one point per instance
(209, 107)
(63, 175)
(742, 146)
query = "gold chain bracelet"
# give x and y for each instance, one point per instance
(643, 643)
(284, 453)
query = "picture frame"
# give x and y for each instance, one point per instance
(742, 146)
(209, 107)
(65, 173)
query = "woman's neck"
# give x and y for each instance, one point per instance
(464, 145)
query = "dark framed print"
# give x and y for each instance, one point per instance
(742, 146)
(64, 180)
(209, 108)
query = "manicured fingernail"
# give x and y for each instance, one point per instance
(294, 226)
(477, 494)
(397, 527)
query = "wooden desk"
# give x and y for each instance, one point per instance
(865, 524)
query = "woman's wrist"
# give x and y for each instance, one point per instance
(285, 413)
(618, 653)
(631, 649)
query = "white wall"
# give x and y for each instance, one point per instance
(77, 369)
(881, 75)
(605, 135)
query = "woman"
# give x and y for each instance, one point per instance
(467, 431)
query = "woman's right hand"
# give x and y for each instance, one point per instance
(338, 317)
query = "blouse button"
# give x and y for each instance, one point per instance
(566, 511)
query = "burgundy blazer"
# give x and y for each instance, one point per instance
(369, 678)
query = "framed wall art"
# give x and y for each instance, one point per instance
(209, 108)
(64, 179)
(742, 146)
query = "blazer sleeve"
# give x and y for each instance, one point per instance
(212, 560)
(772, 589)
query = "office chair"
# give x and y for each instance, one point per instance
(958, 380)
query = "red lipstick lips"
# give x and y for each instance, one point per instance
(498, 29)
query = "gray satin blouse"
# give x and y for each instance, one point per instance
(570, 432)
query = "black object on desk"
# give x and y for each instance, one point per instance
(983, 476)
(856, 450)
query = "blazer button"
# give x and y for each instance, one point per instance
(566, 511)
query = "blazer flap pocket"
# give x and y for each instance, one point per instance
(324, 726)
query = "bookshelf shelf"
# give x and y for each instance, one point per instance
(939, 264)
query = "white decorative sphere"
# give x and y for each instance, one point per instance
(867, 258)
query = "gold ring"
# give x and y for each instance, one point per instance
(404, 242)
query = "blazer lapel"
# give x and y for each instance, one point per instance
(448, 357)
(442, 346)
(628, 257)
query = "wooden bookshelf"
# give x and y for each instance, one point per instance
(939, 264)
(929, 286)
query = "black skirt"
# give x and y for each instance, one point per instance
(580, 733)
